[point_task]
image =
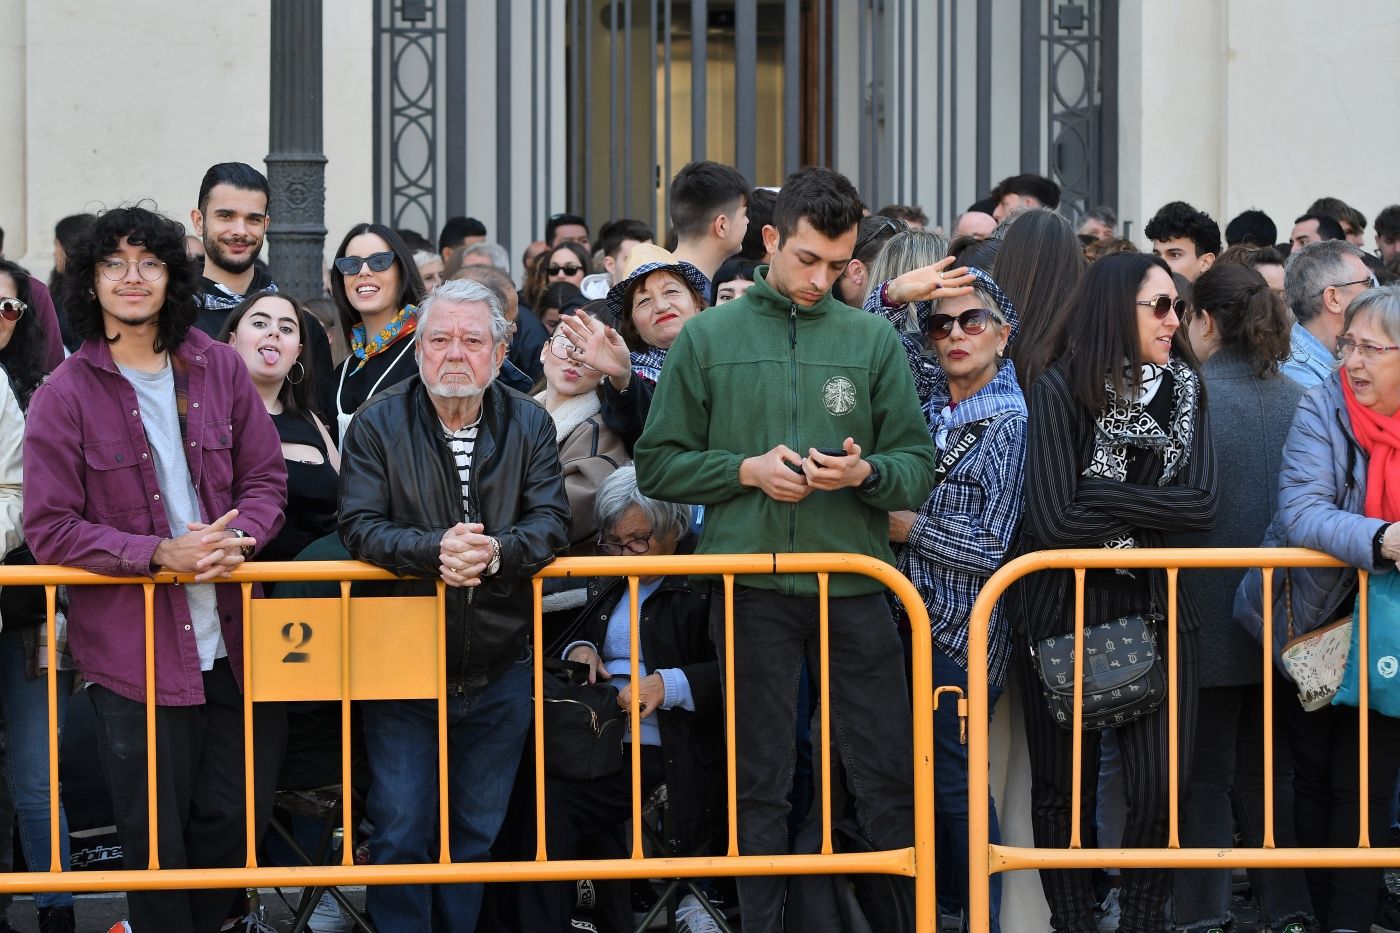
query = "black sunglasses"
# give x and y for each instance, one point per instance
(972, 322)
(570, 269)
(1163, 304)
(377, 262)
(888, 226)
(12, 309)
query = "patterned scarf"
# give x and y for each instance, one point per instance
(648, 364)
(1126, 423)
(363, 347)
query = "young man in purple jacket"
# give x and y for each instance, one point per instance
(149, 449)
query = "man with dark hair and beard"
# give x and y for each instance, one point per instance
(148, 450)
(231, 220)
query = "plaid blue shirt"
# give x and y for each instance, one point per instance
(964, 528)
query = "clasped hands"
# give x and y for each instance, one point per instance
(209, 551)
(465, 555)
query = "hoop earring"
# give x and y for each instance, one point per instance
(297, 381)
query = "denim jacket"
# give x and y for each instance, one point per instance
(92, 500)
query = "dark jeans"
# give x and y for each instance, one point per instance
(1143, 746)
(485, 732)
(574, 812)
(870, 723)
(199, 792)
(1326, 787)
(25, 706)
(950, 790)
(1227, 787)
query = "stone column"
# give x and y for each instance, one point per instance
(296, 165)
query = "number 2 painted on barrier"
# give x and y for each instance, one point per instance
(302, 638)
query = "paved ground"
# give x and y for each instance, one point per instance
(97, 912)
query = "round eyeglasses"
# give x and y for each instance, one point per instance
(114, 269)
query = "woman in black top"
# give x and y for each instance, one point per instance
(376, 288)
(1118, 454)
(266, 329)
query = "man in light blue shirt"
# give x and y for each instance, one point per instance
(1319, 281)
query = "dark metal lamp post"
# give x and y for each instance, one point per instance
(296, 166)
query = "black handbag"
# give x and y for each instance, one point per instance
(1123, 677)
(583, 725)
(22, 606)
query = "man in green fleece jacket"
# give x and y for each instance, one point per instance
(751, 392)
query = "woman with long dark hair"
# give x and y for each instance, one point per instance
(267, 329)
(23, 618)
(1118, 455)
(1239, 329)
(376, 288)
(1039, 266)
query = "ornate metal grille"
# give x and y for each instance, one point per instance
(1076, 45)
(411, 40)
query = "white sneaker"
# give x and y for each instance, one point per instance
(1109, 911)
(692, 917)
(327, 918)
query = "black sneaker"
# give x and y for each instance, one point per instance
(1387, 918)
(55, 920)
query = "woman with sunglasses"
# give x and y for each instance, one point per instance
(376, 288)
(1339, 492)
(589, 452)
(953, 543)
(681, 742)
(23, 616)
(567, 262)
(1118, 455)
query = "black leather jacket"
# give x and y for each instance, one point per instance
(399, 493)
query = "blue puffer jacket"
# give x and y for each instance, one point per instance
(1321, 494)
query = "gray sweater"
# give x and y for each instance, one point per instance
(1250, 417)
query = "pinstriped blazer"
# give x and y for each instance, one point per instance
(1065, 509)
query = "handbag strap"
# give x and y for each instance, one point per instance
(1288, 603)
(969, 439)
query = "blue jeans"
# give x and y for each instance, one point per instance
(24, 704)
(485, 735)
(950, 789)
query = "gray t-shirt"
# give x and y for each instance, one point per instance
(155, 393)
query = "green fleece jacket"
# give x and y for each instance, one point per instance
(761, 371)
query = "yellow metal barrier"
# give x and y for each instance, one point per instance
(366, 648)
(986, 859)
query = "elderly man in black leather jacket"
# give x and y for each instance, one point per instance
(452, 475)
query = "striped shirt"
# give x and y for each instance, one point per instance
(463, 444)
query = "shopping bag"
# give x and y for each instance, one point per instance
(1383, 644)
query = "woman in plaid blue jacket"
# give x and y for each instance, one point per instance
(957, 539)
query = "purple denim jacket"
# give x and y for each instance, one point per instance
(92, 500)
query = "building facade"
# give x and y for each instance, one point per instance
(510, 110)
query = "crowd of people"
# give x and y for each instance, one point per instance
(784, 372)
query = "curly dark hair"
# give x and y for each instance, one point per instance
(1251, 317)
(140, 227)
(25, 357)
(1179, 219)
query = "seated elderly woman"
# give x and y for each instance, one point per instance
(1339, 492)
(957, 539)
(681, 740)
